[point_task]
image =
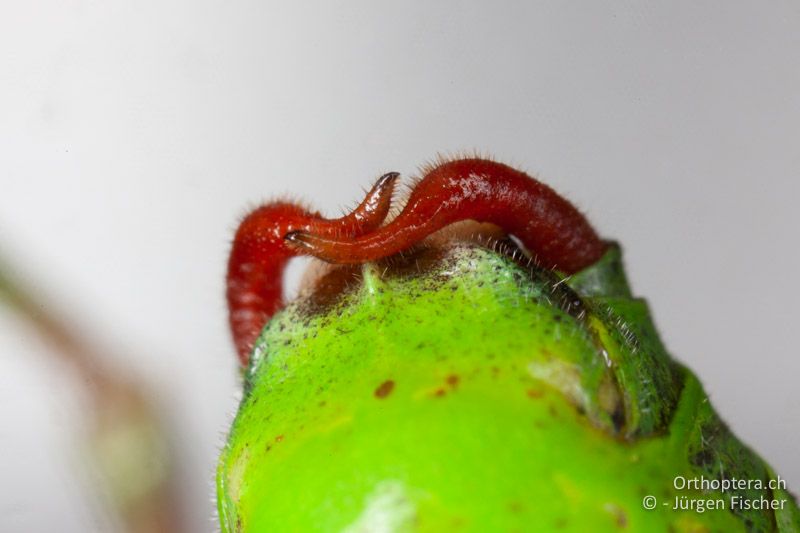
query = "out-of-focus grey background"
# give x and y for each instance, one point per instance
(133, 135)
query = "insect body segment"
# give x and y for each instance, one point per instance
(547, 225)
(550, 227)
(517, 376)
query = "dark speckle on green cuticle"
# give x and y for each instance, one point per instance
(384, 389)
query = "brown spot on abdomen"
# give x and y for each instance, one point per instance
(384, 389)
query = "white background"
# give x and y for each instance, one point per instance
(133, 135)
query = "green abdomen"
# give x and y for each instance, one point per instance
(474, 395)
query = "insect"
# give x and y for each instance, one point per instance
(443, 375)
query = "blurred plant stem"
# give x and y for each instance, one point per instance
(129, 444)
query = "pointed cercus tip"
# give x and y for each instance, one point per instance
(387, 179)
(299, 240)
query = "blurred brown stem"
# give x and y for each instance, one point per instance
(129, 443)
